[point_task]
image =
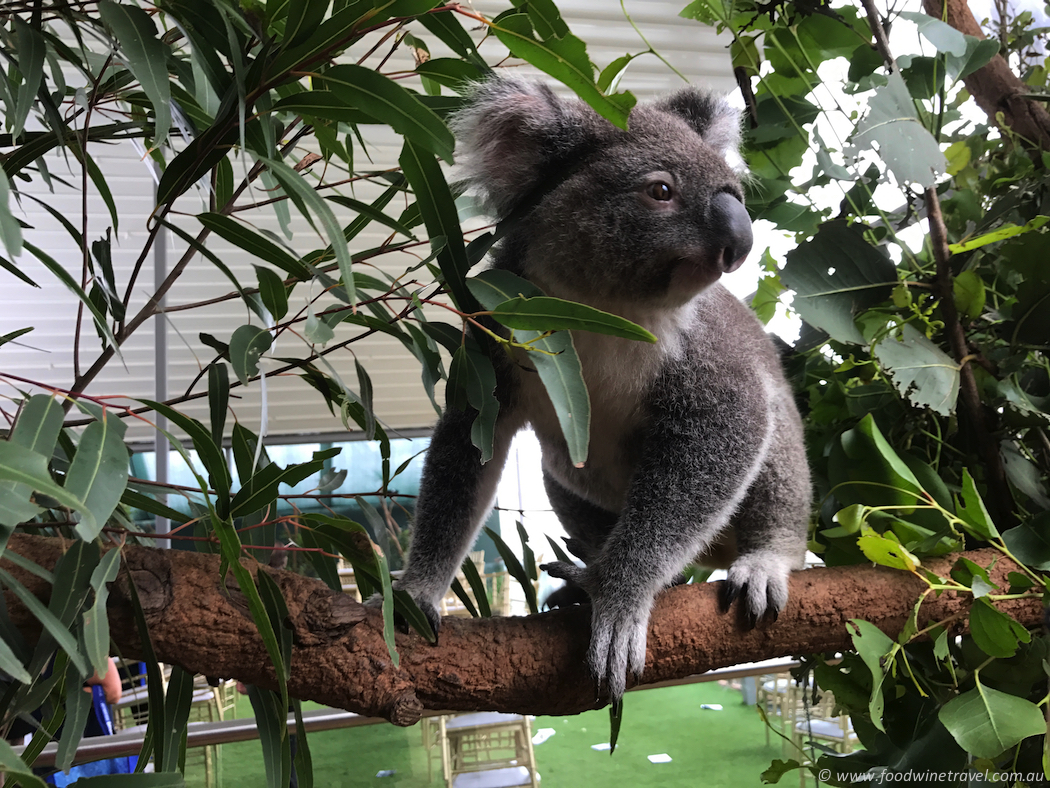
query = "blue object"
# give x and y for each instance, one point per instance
(99, 723)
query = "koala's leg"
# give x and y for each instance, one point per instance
(771, 527)
(699, 458)
(587, 525)
(455, 495)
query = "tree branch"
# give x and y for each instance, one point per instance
(995, 87)
(531, 664)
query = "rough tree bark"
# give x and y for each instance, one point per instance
(995, 87)
(531, 664)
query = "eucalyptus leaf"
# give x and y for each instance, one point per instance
(908, 149)
(986, 722)
(920, 370)
(836, 275)
(146, 56)
(99, 472)
(247, 346)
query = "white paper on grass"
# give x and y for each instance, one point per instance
(542, 735)
(600, 747)
(662, 757)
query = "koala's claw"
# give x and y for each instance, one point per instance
(618, 630)
(759, 581)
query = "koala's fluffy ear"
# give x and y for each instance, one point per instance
(512, 134)
(710, 115)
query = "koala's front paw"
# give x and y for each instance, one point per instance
(428, 610)
(618, 630)
(760, 582)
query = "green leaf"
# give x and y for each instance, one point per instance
(96, 620)
(230, 545)
(1030, 542)
(559, 551)
(872, 644)
(247, 345)
(78, 704)
(303, 20)
(1009, 230)
(970, 508)
(887, 552)
(986, 722)
(542, 313)
(272, 291)
(310, 202)
(368, 213)
(146, 56)
(837, 275)
(388, 102)
(515, 569)
(254, 244)
(218, 399)
(37, 430)
(909, 150)
(272, 723)
(31, 49)
(261, 488)
(994, 632)
(920, 370)
(12, 665)
(10, 229)
(177, 701)
(979, 51)
(63, 276)
(209, 451)
(51, 623)
(438, 210)
(554, 358)
(15, 768)
(969, 294)
(865, 469)
(942, 35)
(27, 467)
(472, 379)
(477, 585)
(566, 60)
(99, 472)
(250, 301)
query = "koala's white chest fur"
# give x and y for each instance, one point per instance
(618, 373)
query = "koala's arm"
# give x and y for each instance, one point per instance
(455, 495)
(703, 450)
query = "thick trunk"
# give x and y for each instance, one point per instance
(995, 87)
(533, 664)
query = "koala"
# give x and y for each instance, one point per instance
(695, 443)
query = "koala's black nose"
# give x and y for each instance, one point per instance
(732, 226)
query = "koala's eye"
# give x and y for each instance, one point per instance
(659, 191)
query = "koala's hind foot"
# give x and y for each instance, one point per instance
(568, 595)
(425, 607)
(760, 581)
(619, 625)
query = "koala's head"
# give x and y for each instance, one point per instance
(653, 213)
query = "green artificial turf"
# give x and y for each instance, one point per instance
(712, 749)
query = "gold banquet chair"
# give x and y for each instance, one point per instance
(487, 750)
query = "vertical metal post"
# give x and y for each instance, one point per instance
(160, 375)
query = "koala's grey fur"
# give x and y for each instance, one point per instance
(695, 442)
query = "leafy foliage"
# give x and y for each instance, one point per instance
(924, 376)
